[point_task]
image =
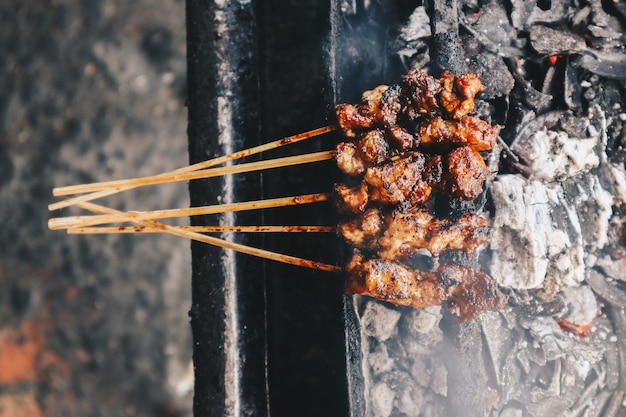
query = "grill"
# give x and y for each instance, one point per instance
(271, 339)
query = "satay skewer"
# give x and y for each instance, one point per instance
(203, 229)
(112, 187)
(211, 240)
(103, 189)
(57, 223)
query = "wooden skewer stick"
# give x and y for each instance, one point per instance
(203, 229)
(287, 259)
(185, 176)
(57, 223)
(113, 187)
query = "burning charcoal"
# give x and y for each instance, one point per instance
(413, 33)
(573, 90)
(382, 400)
(582, 307)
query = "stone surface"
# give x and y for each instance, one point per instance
(93, 91)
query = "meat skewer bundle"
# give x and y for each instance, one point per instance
(408, 142)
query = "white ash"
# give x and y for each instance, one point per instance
(382, 399)
(581, 305)
(528, 244)
(545, 225)
(556, 155)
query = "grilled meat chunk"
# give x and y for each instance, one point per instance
(378, 108)
(399, 181)
(439, 135)
(419, 94)
(406, 233)
(363, 231)
(398, 235)
(464, 172)
(353, 158)
(465, 291)
(348, 159)
(351, 199)
(400, 138)
(457, 95)
(393, 282)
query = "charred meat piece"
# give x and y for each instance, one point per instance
(457, 95)
(470, 292)
(439, 135)
(400, 138)
(393, 282)
(419, 94)
(465, 291)
(464, 172)
(351, 199)
(408, 232)
(378, 108)
(373, 148)
(353, 158)
(398, 235)
(399, 181)
(351, 120)
(348, 159)
(363, 231)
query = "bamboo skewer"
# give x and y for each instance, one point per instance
(102, 189)
(184, 176)
(84, 221)
(203, 229)
(174, 230)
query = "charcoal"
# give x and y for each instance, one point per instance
(501, 38)
(527, 246)
(548, 41)
(490, 66)
(613, 268)
(446, 50)
(610, 64)
(606, 289)
(526, 13)
(572, 91)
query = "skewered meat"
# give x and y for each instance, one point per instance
(378, 108)
(400, 234)
(465, 291)
(439, 134)
(348, 159)
(398, 177)
(351, 199)
(401, 139)
(464, 172)
(420, 92)
(457, 95)
(399, 181)
(372, 149)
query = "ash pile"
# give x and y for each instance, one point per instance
(555, 74)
